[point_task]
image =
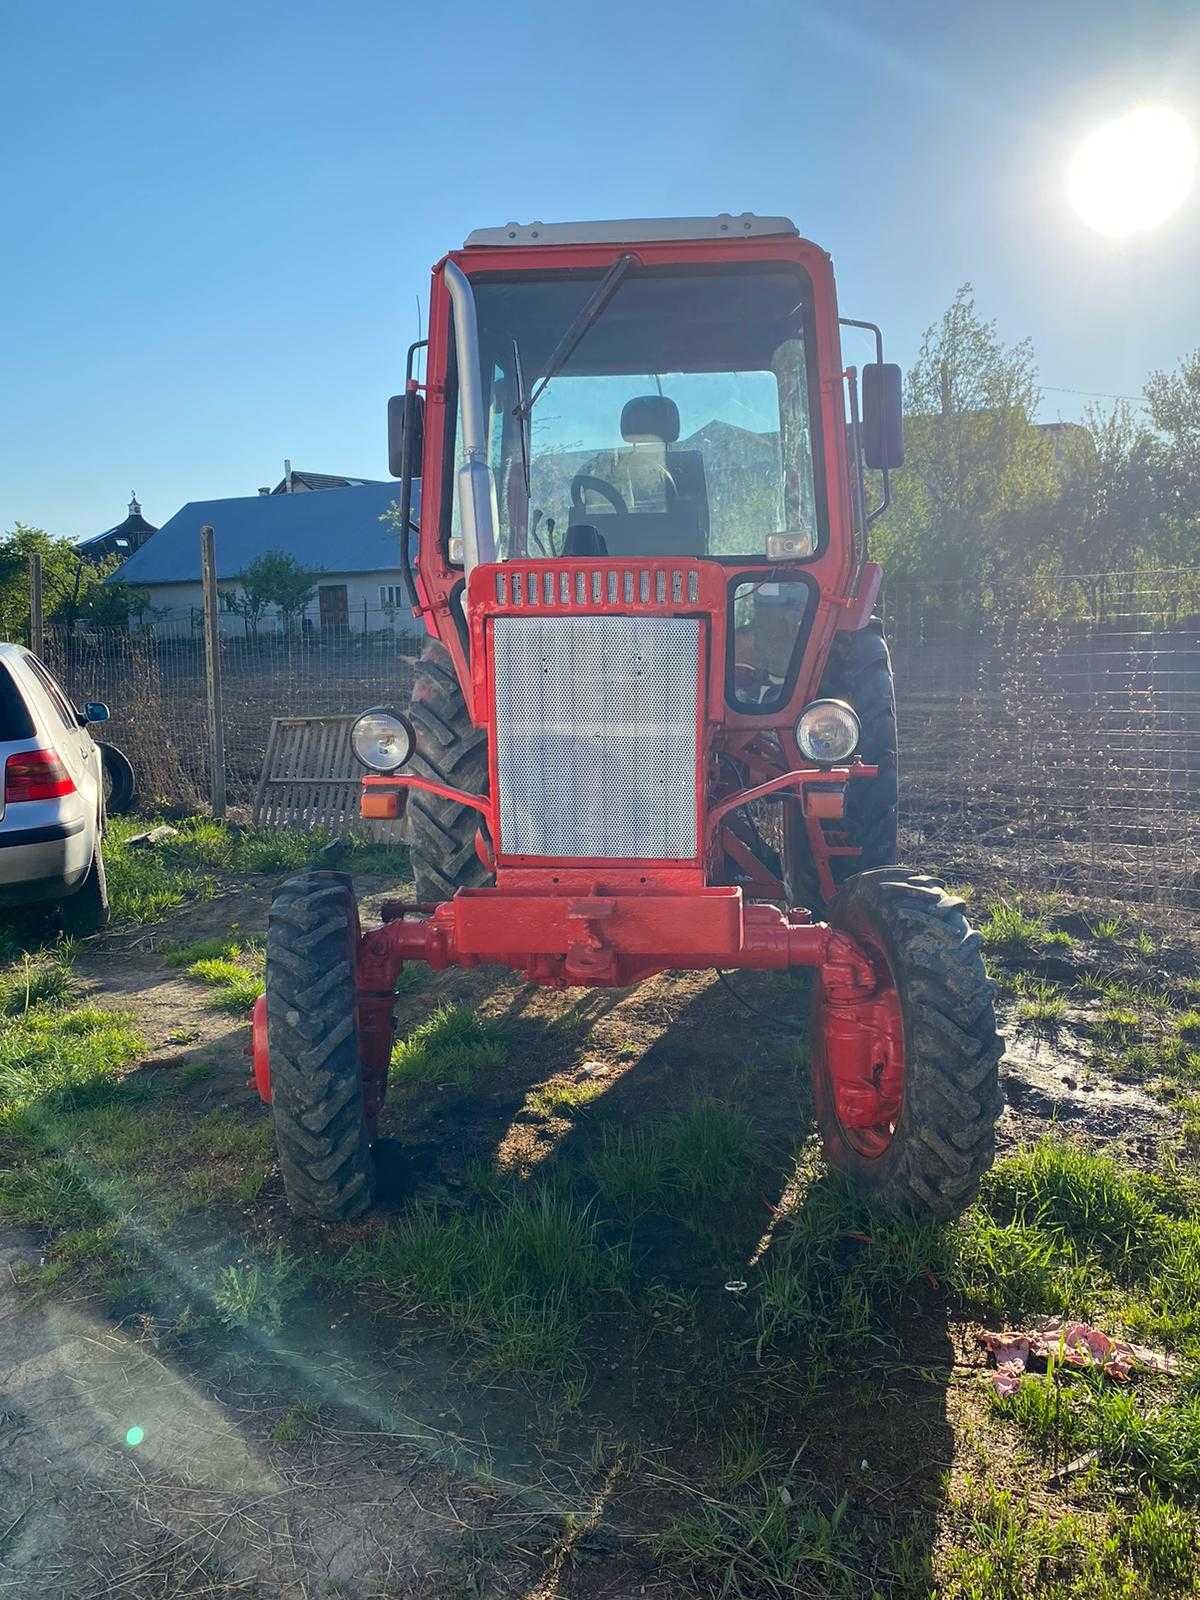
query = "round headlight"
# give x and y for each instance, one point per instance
(382, 740)
(827, 732)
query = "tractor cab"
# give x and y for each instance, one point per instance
(677, 420)
(653, 727)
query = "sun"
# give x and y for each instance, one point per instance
(1133, 173)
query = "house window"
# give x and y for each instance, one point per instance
(391, 594)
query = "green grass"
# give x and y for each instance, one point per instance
(708, 1153)
(222, 948)
(1118, 1024)
(561, 1097)
(520, 1277)
(42, 979)
(1010, 931)
(768, 1542)
(238, 984)
(1162, 1544)
(52, 1061)
(1107, 929)
(232, 1134)
(1156, 1446)
(203, 844)
(711, 1150)
(630, 1169)
(1087, 1202)
(294, 1423)
(234, 968)
(149, 880)
(998, 1547)
(453, 1046)
(1187, 1026)
(1044, 1004)
(143, 882)
(59, 1074)
(838, 1272)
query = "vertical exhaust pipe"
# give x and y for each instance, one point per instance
(476, 486)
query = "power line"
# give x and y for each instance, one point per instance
(1092, 394)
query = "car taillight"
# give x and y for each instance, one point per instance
(35, 775)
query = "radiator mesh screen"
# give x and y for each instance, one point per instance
(596, 735)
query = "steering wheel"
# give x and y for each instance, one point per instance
(583, 482)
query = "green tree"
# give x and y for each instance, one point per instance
(1110, 499)
(1173, 401)
(68, 581)
(276, 579)
(114, 605)
(980, 479)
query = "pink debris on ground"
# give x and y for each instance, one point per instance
(1073, 1344)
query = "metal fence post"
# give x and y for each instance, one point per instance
(212, 671)
(36, 618)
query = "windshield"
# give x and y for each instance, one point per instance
(680, 425)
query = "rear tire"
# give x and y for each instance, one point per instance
(452, 751)
(87, 910)
(944, 1139)
(312, 1031)
(859, 671)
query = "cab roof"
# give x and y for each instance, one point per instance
(633, 230)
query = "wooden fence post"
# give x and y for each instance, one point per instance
(36, 618)
(212, 671)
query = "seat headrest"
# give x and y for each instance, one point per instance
(583, 540)
(650, 416)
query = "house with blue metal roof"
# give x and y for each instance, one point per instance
(338, 533)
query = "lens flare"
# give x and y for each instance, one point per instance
(135, 1436)
(1133, 173)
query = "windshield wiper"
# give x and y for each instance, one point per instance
(563, 351)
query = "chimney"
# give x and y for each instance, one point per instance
(287, 474)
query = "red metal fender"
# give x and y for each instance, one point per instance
(259, 1050)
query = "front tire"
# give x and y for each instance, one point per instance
(312, 1031)
(930, 1163)
(452, 751)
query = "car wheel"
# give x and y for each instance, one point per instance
(87, 910)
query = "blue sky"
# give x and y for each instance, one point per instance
(219, 216)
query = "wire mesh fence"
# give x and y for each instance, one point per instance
(1049, 733)
(154, 686)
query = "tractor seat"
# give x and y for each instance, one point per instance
(582, 540)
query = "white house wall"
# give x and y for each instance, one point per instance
(175, 608)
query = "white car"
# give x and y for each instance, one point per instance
(52, 803)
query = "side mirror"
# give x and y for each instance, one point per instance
(406, 433)
(882, 416)
(93, 711)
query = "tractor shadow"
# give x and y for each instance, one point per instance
(851, 1382)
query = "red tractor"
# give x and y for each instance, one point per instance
(653, 727)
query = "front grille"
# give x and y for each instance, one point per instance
(596, 735)
(562, 588)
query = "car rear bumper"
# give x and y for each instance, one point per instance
(45, 860)
(48, 833)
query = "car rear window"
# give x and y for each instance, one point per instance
(15, 721)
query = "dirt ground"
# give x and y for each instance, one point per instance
(137, 1465)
